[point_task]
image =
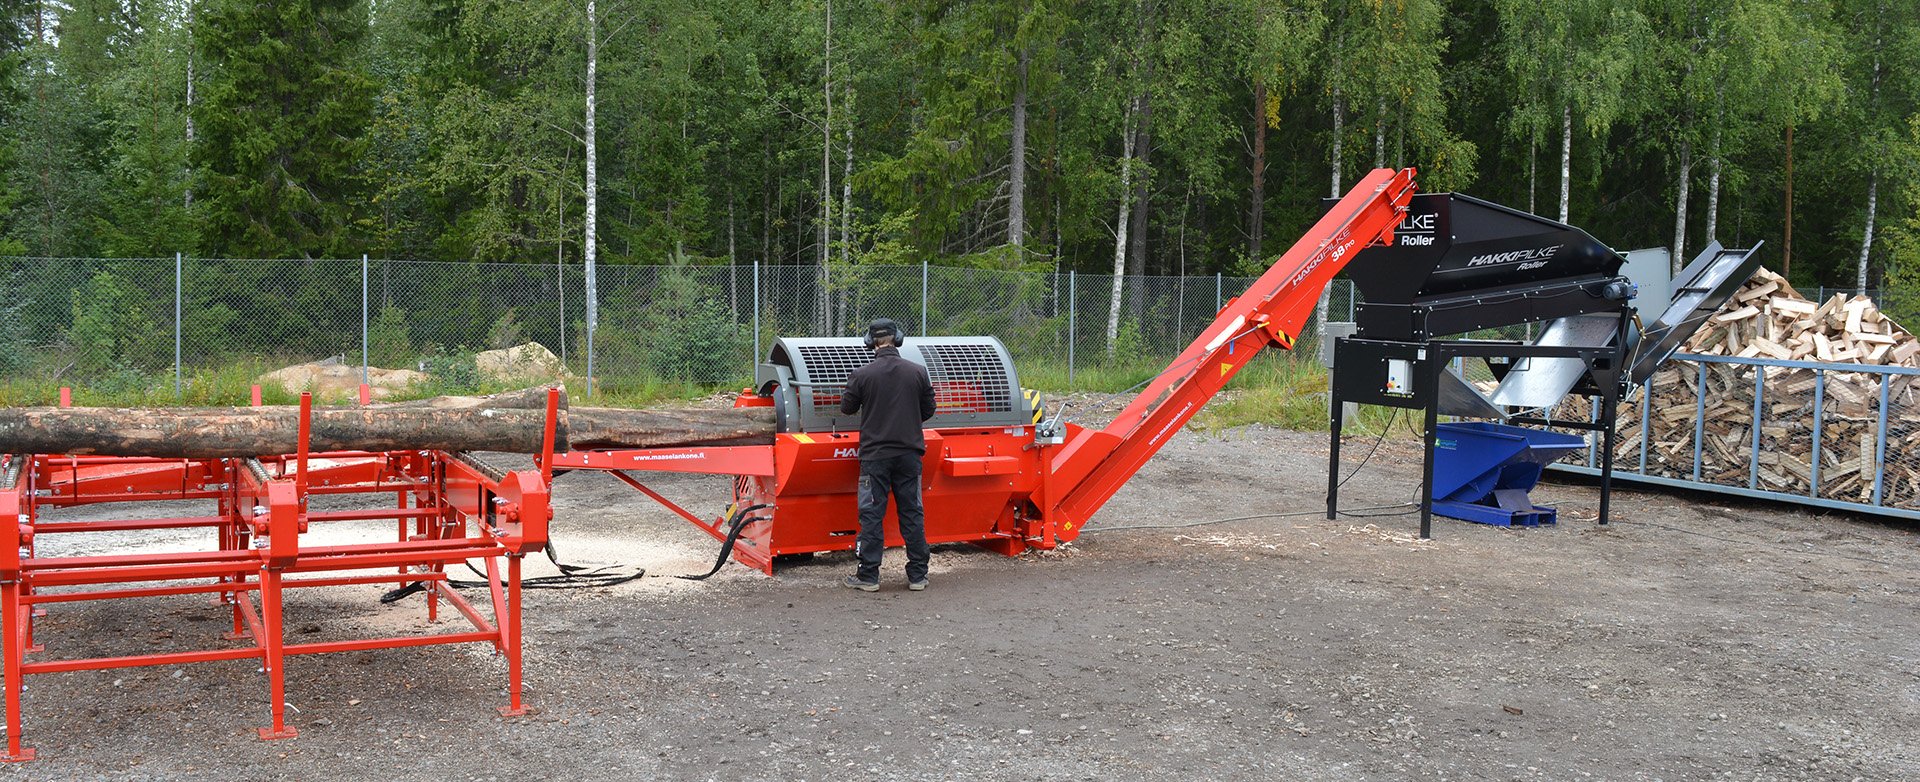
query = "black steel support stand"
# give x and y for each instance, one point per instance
(1337, 422)
(1430, 431)
(1606, 367)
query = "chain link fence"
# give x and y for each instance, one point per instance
(92, 321)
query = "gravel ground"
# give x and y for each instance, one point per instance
(1696, 639)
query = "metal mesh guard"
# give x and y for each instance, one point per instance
(968, 379)
(828, 367)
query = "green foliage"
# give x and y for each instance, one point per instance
(388, 344)
(1900, 296)
(111, 333)
(13, 336)
(505, 332)
(1289, 391)
(679, 329)
(1129, 346)
(54, 170)
(447, 130)
(282, 122)
(147, 213)
(452, 372)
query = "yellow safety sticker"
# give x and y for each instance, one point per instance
(1225, 368)
(803, 438)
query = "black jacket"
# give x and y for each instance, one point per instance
(893, 395)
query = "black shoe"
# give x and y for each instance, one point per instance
(864, 586)
(917, 586)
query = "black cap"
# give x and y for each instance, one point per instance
(885, 327)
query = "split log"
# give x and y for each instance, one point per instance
(451, 425)
(1768, 318)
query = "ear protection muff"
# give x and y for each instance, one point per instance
(885, 327)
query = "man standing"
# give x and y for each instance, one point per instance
(893, 396)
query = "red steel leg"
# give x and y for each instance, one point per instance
(274, 661)
(16, 623)
(499, 596)
(511, 627)
(233, 599)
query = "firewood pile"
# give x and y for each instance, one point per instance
(1769, 319)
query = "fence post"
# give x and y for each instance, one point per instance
(923, 297)
(1879, 442)
(1073, 309)
(177, 267)
(1219, 303)
(756, 312)
(364, 359)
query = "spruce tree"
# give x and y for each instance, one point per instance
(282, 123)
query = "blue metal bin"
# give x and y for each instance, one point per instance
(1482, 471)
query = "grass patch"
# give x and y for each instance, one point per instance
(636, 391)
(1105, 378)
(1290, 392)
(227, 385)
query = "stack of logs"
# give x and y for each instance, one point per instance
(1767, 318)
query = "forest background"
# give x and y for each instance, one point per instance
(1149, 137)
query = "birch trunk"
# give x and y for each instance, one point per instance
(1380, 134)
(1533, 174)
(1680, 208)
(1713, 165)
(191, 7)
(589, 249)
(823, 256)
(1120, 225)
(826, 141)
(1566, 160)
(1866, 239)
(846, 183)
(1017, 170)
(1786, 243)
(1873, 184)
(1339, 129)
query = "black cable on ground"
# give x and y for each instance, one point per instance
(570, 577)
(739, 521)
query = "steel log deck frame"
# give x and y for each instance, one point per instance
(448, 509)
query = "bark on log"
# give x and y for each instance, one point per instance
(262, 431)
(605, 427)
(534, 398)
(449, 426)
